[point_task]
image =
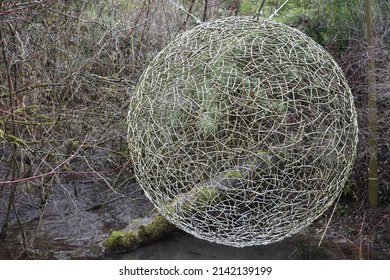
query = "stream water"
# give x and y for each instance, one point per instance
(76, 217)
(73, 220)
(182, 246)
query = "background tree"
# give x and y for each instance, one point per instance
(372, 110)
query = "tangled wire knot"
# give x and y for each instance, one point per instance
(242, 132)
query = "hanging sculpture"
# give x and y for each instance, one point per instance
(242, 132)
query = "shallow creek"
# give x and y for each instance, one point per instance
(76, 217)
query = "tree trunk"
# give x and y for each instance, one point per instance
(372, 112)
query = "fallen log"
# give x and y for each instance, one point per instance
(154, 227)
(215, 189)
(139, 233)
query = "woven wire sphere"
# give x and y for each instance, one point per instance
(242, 132)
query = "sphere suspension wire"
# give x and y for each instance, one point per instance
(259, 12)
(277, 10)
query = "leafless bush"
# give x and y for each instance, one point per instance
(354, 63)
(67, 70)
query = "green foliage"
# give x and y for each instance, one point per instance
(249, 7)
(349, 190)
(327, 22)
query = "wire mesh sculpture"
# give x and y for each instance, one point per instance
(242, 132)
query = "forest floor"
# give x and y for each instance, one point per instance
(354, 228)
(363, 229)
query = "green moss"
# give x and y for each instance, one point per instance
(233, 174)
(262, 153)
(206, 194)
(120, 240)
(145, 234)
(155, 230)
(170, 209)
(202, 196)
(12, 139)
(196, 199)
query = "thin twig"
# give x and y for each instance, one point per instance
(100, 205)
(100, 176)
(198, 21)
(361, 237)
(53, 171)
(22, 7)
(330, 219)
